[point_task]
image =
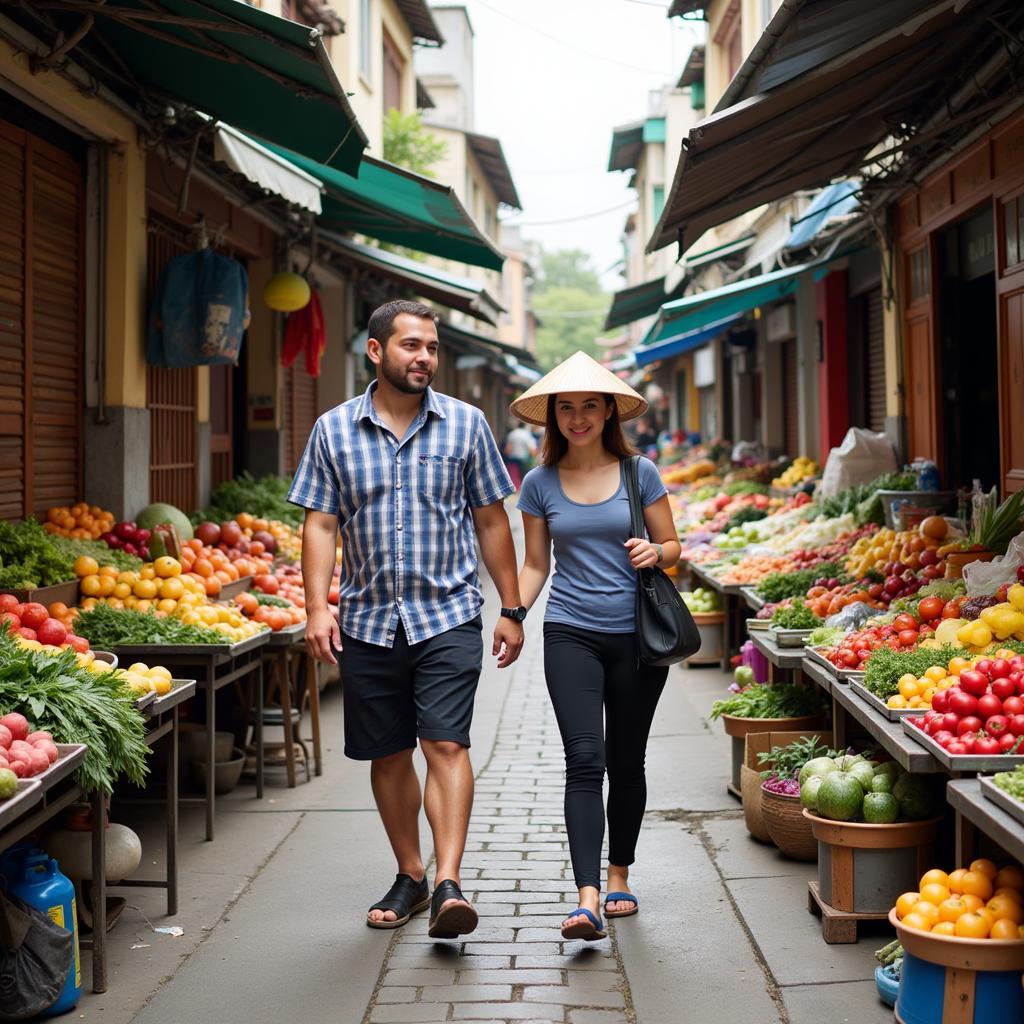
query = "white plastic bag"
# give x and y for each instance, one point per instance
(983, 579)
(861, 457)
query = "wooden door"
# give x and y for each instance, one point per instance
(1011, 388)
(41, 324)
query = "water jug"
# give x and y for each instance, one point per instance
(36, 880)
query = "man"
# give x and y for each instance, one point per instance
(408, 475)
(520, 450)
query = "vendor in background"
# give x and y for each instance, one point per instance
(519, 450)
(646, 436)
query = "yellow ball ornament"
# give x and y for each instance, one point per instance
(286, 292)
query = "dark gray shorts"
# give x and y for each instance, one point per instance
(426, 690)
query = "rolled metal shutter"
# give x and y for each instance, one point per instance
(300, 412)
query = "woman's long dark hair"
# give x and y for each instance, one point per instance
(555, 445)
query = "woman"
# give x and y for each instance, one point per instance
(604, 700)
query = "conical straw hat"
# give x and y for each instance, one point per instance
(577, 373)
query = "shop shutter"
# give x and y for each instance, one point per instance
(790, 399)
(875, 358)
(300, 413)
(170, 393)
(41, 325)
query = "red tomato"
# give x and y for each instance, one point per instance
(33, 615)
(984, 745)
(8, 603)
(904, 621)
(930, 608)
(908, 637)
(951, 609)
(849, 658)
(1008, 741)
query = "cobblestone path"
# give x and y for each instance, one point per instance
(516, 872)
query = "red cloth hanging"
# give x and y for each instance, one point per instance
(304, 331)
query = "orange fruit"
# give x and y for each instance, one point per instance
(58, 610)
(109, 570)
(166, 605)
(145, 589)
(929, 911)
(944, 928)
(977, 884)
(244, 520)
(917, 922)
(166, 566)
(971, 926)
(1004, 929)
(956, 879)
(86, 566)
(203, 567)
(935, 893)
(974, 903)
(1006, 907)
(213, 586)
(987, 915)
(1010, 876)
(172, 588)
(951, 909)
(985, 867)
(90, 586)
(936, 876)
(122, 590)
(1014, 894)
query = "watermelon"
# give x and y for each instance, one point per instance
(153, 515)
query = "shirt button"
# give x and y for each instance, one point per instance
(399, 600)
(398, 526)
(398, 485)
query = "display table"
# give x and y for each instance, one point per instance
(786, 659)
(212, 666)
(976, 812)
(733, 605)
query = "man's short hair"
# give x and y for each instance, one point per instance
(382, 320)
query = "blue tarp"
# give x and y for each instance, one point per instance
(684, 342)
(835, 201)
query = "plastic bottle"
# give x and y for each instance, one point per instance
(36, 880)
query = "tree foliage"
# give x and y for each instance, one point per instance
(408, 144)
(570, 303)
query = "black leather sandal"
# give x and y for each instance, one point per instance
(452, 921)
(406, 897)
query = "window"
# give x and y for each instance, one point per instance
(394, 68)
(365, 37)
(729, 36)
(920, 274)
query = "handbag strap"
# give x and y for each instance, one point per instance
(636, 509)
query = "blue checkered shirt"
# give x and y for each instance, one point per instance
(404, 510)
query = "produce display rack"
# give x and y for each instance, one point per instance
(1013, 807)
(281, 647)
(975, 812)
(161, 716)
(819, 675)
(754, 601)
(214, 666)
(890, 735)
(757, 626)
(784, 658)
(892, 714)
(843, 675)
(235, 587)
(68, 593)
(791, 638)
(962, 762)
(26, 795)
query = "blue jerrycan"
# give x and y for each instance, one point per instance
(36, 880)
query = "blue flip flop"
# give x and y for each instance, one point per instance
(614, 897)
(588, 930)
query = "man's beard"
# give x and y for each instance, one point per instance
(400, 381)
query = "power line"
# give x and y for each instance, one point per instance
(568, 220)
(572, 46)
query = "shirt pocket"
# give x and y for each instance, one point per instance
(440, 481)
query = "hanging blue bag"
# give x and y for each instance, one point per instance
(198, 312)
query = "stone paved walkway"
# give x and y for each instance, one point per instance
(515, 966)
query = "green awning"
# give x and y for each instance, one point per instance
(262, 74)
(694, 312)
(425, 280)
(395, 205)
(635, 303)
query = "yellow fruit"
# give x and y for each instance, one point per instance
(86, 566)
(917, 922)
(935, 673)
(122, 590)
(90, 585)
(167, 566)
(985, 867)
(173, 588)
(905, 903)
(935, 893)
(955, 880)
(107, 584)
(908, 686)
(161, 686)
(138, 667)
(929, 911)
(971, 926)
(1011, 877)
(951, 909)
(897, 701)
(166, 605)
(944, 928)
(146, 589)
(1004, 929)
(936, 876)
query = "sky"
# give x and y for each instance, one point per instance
(553, 78)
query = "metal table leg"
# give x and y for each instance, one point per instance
(99, 894)
(211, 757)
(172, 814)
(280, 671)
(259, 727)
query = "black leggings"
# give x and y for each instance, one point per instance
(588, 672)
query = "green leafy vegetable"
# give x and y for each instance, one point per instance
(28, 558)
(786, 762)
(885, 666)
(771, 700)
(777, 586)
(1011, 782)
(863, 501)
(796, 616)
(265, 498)
(826, 636)
(749, 514)
(999, 524)
(73, 547)
(76, 706)
(105, 627)
(745, 487)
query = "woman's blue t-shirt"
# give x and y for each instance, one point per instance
(594, 586)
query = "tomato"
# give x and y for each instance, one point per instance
(983, 746)
(904, 621)
(951, 609)
(8, 603)
(33, 615)
(988, 705)
(908, 637)
(1007, 742)
(930, 608)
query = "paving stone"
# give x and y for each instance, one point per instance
(396, 994)
(481, 935)
(406, 1013)
(739, 855)
(507, 1011)
(418, 956)
(418, 976)
(573, 995)
(468, 993)
(512, 948)
(512, 976)
(598, 1017)
(852, 1002)
(572, 960)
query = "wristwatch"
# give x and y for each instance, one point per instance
(661, 552)
(517, 614)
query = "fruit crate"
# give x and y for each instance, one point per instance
(962, 762)
(67, 593)
(235, 587)
(790, 638)
(1001, 799)
(26, 796)
(844, 675)
(891, 714)
(862, 869)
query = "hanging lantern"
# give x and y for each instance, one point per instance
(286, 292)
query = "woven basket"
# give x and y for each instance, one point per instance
(787, 827)
(750, 788)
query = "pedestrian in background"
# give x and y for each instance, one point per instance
(604, 699)
(409, 475)
(520, 449)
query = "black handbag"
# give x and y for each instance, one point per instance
(665, 630)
